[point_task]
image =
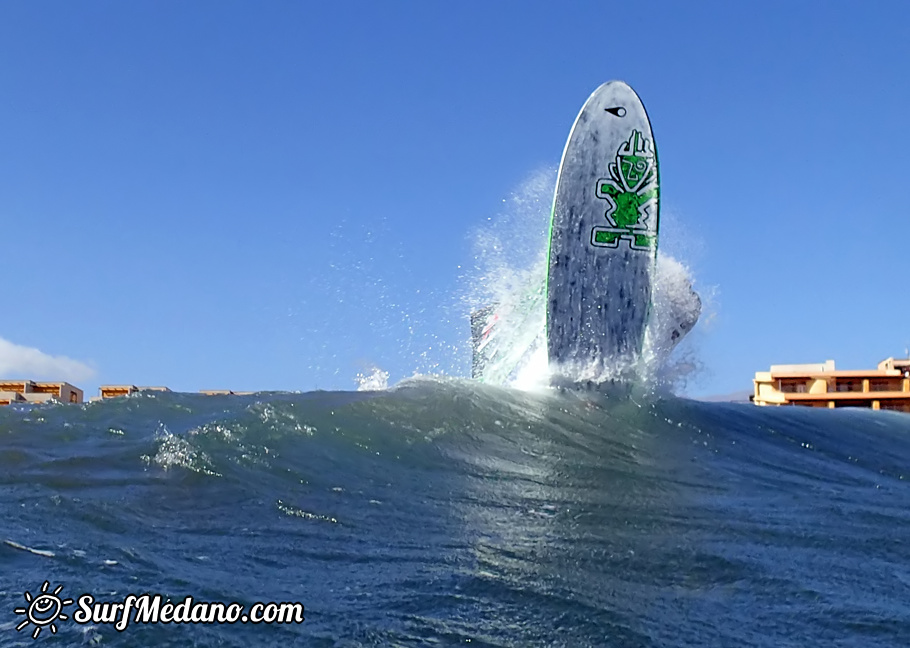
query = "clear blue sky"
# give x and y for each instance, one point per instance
(275, 195)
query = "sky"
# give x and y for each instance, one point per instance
(282, 195)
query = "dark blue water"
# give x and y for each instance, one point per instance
(446, 513)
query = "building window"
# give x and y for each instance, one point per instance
(792, 386)
(885, 384)
(849, 385)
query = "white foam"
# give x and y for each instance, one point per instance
(22, 547)
(374, 379)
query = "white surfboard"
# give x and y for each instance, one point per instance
(603, 238)
(593, 311)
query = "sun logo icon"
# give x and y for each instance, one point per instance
(43, 610)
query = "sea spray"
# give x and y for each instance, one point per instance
(509, 277)
(373, 379)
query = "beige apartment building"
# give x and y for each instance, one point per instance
(115, 391)
(822, 385)
(29, 391)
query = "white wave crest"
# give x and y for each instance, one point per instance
(372, 380)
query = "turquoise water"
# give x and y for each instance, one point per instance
(448, 513)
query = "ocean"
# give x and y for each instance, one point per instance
(443, 512)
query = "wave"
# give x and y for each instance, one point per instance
(443, 510)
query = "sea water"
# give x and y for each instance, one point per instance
(443, 512)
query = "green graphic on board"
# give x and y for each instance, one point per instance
(631, 194)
